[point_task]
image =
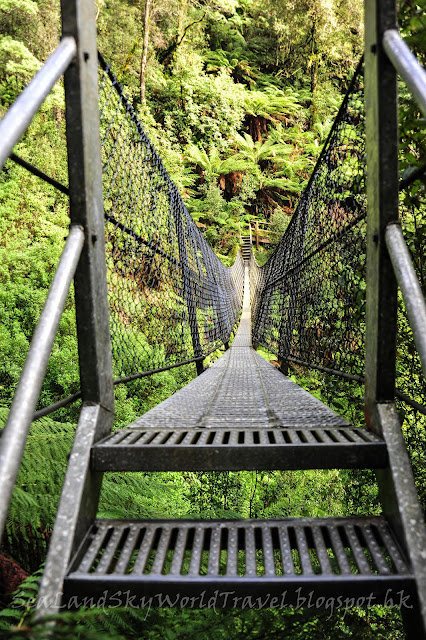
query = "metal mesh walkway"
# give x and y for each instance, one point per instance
(240, 404)
(341, 556)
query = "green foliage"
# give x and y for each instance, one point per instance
(200, 108)
(211, 164)
(41, 475)
(13, 14)
(17, 622)
(276, 105)
(25, 6)
(32, 219)
(40, 478)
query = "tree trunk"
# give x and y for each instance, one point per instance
(11, 574)
(314, 76)
(183, 6)
(146, 22)
(314, 81)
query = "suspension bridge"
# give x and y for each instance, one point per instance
(151, 295)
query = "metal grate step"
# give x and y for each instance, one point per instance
(246, 248)
(334, 557)
(234, 449)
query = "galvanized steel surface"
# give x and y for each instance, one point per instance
(234, 448)
(337, 557)
(110, 544)
(240, 389)
(19, 116)
(80, 494)
(407, 65)
(171, 301)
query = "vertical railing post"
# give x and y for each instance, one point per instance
(382, 198)
(86, 205)
(396, 484)
(80, 494)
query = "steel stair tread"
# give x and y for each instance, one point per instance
(236, 448)
(342, 556)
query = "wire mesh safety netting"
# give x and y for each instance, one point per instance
(171, 298)
(309, 298)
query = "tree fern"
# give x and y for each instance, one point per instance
(36, 494)
(274, 104)
(257, 151)
(34, 503)
(212, 164)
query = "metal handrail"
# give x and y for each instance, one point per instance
(407, 65)
(410, 287)
(16, 430)
(19, 116)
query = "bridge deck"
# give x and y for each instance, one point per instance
(336, 557)
(241, 403)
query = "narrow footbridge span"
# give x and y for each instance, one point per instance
(241, 411)
(151, 295)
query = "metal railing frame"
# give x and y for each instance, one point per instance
(20, 417)
(385, 52)
(414, 76)
(80, 494)
(410, 288)
(17, 119)
(84, 260)
(84, 254)
(12, 127)
(407, 65)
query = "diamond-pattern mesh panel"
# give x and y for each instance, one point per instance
(171, 299)
(309, 298)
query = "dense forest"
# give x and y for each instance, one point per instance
(238, 98)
